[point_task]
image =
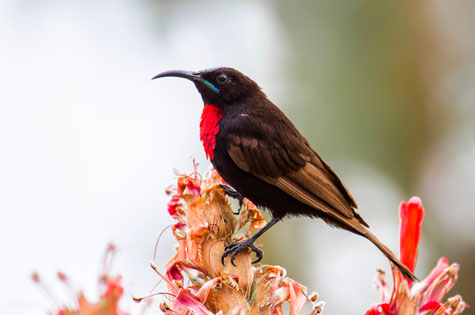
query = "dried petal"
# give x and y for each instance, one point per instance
(206, 224)
(203, 292)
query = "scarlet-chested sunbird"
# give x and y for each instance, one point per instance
(258, 151)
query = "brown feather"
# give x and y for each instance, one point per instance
(238, 157)
(300, 193)
(271, 167)
(317, 183)
(276, 156)
(296, 158)
(302, 175)
(320, 163)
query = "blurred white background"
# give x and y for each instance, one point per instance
(88, 143)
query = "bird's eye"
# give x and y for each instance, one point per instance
(222, 78)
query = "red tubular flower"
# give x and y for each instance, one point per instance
(426, 296)
(411, 214)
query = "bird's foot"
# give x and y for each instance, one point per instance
(235, 248)
(231, 192)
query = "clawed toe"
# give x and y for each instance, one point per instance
(235, 248)
(258, 252)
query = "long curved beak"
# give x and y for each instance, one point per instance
(190, 75)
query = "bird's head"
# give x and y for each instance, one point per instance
(218, 86)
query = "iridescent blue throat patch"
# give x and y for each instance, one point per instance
(211, 86)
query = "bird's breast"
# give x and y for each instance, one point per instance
(209, 127)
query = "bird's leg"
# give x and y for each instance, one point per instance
(231, 192)
(234, 248)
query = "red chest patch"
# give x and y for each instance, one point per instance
(209, 127)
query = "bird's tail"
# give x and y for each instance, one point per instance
(390, 255)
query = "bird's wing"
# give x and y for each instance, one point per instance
(295, 168)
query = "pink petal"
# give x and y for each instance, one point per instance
(442, 284)
(185, 302)
(297, 296)
(175, 269)
(442, 264)
(290, 291)
(173, 273)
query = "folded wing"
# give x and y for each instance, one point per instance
(295, 168)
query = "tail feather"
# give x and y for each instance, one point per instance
(390, 255)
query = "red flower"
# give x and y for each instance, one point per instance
(426, 296)
(411, 214)
(173, 205)
(379, 309)
(111, 292)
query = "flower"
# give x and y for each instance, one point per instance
(111, 292)
(424, 297)
(199, 284)
(174, 206)
(411, 214)
(197, 281)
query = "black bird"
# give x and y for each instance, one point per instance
(259, 152)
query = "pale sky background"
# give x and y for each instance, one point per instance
(88, 145)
